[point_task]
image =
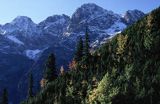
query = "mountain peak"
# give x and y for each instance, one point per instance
(19, 24)
(92, 15)
(22, 19)
(134, 11)
(133, 15)
(86, 5)
(89, 8)
(55, 24)
(24, 23)
(55, 18)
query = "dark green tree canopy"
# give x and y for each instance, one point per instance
(30, 86)
(50, 71)
(86, 48)
(79, 50)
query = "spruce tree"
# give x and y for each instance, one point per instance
(50, 71)
(30, 87)
(4, 97)
(79, 51)
(86, 48)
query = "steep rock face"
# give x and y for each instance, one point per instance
(101, 24)
(92, 15)
(23, 24)
(54, 25)
(132, 16)
(22, 34)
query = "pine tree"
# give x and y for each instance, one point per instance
(50, 71)
(5, 96)
(86, 48)
(79, 51)
(30, 87)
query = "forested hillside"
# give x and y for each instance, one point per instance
(125, 70)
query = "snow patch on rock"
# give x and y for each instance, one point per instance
(14, 39)
(32, 54)
(116, 27)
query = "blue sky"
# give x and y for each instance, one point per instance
(38, 10)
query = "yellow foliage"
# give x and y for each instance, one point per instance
(149, 20)
(73, 65)
(43, 83)
(100, 90)
(103, 92)
(121, 40)
(84, 82)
